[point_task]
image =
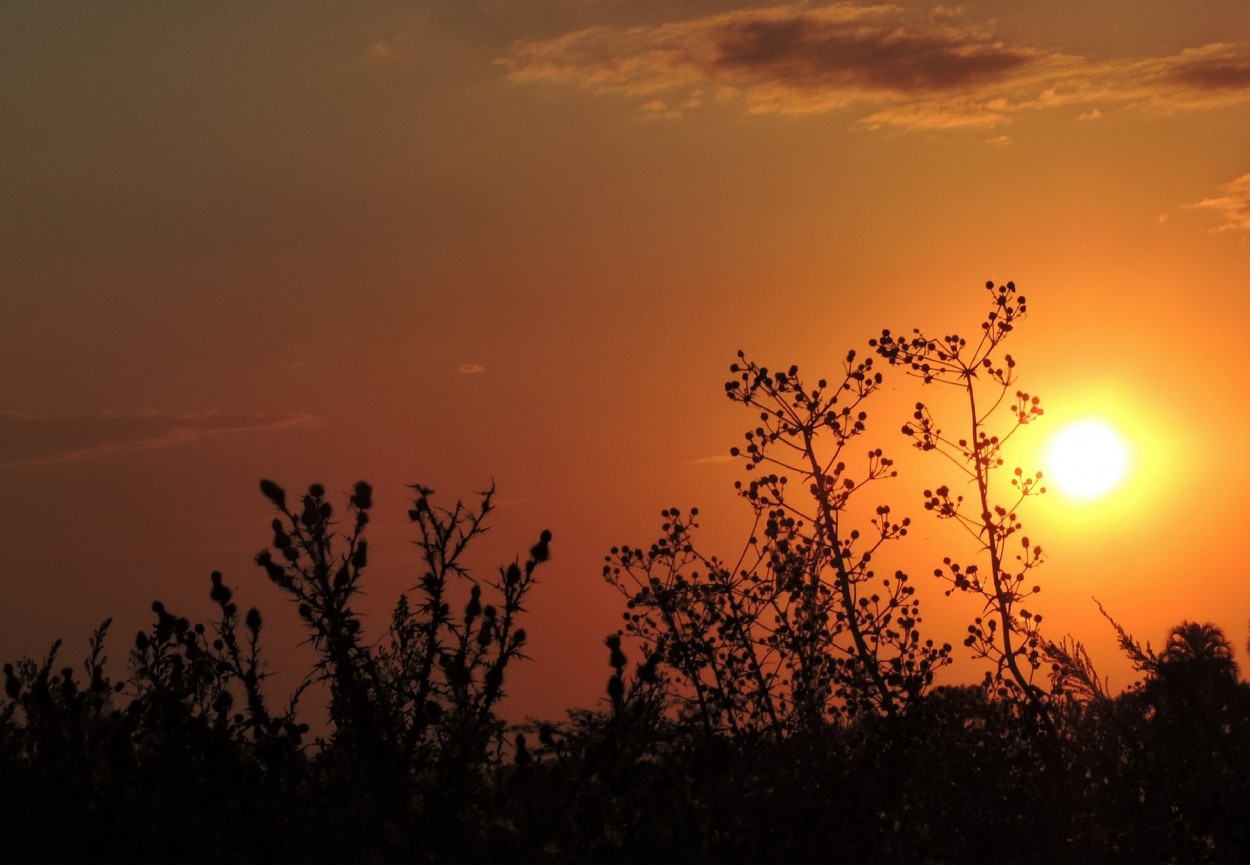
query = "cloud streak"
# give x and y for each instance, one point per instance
(1232, 205)
(902, 68)
(718, 459)
(43, 440)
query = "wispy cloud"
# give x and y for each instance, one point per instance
(396, 49)
(27, 439)
(1232, 205)
(471, 368)
(902, 68)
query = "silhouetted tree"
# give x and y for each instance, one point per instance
(1202, 650)
(1172, 752)
(1008, 634)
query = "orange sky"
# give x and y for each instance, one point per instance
(444, 242)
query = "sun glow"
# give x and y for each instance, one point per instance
(1086, 460)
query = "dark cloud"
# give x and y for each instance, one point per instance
(809, 52)
(37, 440)
(1215, 74)
(910, 69)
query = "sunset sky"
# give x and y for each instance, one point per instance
(452, 241)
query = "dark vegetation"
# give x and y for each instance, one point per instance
(779, 706)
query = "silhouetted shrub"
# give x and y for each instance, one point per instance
(187, 754)
(779, 707)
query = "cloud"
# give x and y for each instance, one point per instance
(397, 49)
(471, 368)
(1232, 205)
(1222, 69)
(714, 460)
(41, 440)
(902, 68)
(810, 52)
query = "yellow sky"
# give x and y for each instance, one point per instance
(445, 242)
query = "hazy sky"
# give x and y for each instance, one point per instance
(453, 241)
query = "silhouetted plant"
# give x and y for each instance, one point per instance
(52, 706)
(442, 675)
(1007, 634)
(413, 736)
(437, 671)
(1165, 765)
(1194, 650)
(827, 565)
(800, 629)
(780, 706)
(415, 714)
(323, 580)
(610, 785)
(1073, 673)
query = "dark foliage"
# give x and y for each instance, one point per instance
(779, 707)
(187, 757)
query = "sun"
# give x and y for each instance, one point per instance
(1086, 460)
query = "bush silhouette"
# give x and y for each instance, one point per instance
(778, 706)
(413, 735)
